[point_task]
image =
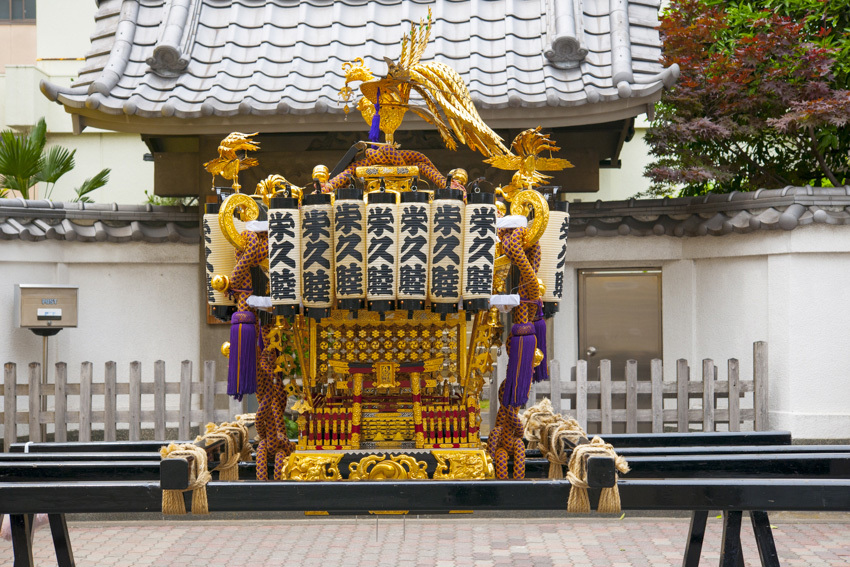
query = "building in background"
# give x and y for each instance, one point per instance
(48, 40)
(699, 278)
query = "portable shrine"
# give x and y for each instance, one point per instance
(378, 316)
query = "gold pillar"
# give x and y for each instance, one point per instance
(415, 389)
(471, 407)
(302, 433)
(355, 410)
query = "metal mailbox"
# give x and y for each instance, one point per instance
(46, 306)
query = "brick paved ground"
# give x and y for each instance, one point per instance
(454, 541)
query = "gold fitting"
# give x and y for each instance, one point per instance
(460, 175)
(541, 286)
(220, 283)
(538, 357)
(225, 349)
(321, 173)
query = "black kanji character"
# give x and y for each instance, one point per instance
(347, 246)
(380, 280)
(444, 281)
(347, 218)
(379, 249)
(317, 286)
(413, 248)
(447, 219)
(479, 280)
(315, 225)
(414, 220)
(381, 220)
(446, 247)
(282, 284)
(411, 280)
(314, 253)
(349, 279)
(564, 233)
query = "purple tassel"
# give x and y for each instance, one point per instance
(521, 347)
(375, 130)
(541, 371)
(242, 366)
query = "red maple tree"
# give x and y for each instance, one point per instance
(761, 100)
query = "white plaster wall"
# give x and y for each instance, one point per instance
(815, 318)
(130, 175)
(64, 28)
(722, 294)
(137, 301)
(61, 43)
(625, 182)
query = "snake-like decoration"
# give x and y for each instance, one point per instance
(388, 155)
(523, 250)
(505, 440)
(274, 444)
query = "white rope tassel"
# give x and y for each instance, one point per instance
(350, 248)
(446, 250)
(382, 248)
(553, 252)
(220, 258)
(479, 251)
(285, 254)
(414, 235)
(317, 253)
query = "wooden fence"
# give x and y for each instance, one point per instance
(686, 391)
(643, 400)
(129, 412)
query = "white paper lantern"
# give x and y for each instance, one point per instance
(381, 251)
(446, 248)
(350, 248)
(317, 255)
(479, 250)
(414, 237)
(284, 255)
(219, 254)
(553, 261)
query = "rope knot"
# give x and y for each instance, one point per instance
(609, 498)
(199, 476)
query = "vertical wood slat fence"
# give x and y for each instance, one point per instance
(109, 390)
(686, 388)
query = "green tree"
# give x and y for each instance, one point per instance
(24, 162)
(762, 99)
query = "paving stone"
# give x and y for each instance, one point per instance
(469, 542)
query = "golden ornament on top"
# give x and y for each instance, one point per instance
(228, 164)
(248, 210)
(274, 184)
(321, 173)
(526, 161)
(447, 102)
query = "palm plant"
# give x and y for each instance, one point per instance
(21, 158)
(90, 184)
(23, 163)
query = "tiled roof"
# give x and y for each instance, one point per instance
(277, 60)
(717, 215)
(96, 222)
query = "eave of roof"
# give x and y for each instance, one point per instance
(32, 220)
(713, 214)
(210, 66)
